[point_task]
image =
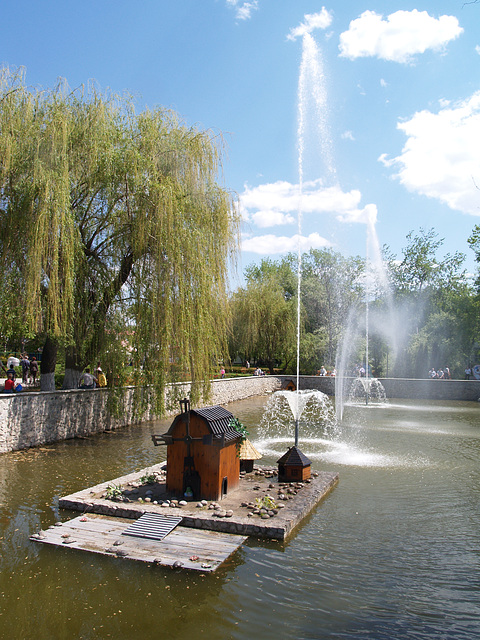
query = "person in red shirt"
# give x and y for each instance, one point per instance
(9, 383)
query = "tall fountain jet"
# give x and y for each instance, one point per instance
(312, 117)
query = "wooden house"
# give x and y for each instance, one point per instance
(202, 453)
(294, 466)
(248, 454)
(289, 385)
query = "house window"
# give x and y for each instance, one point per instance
(224, 486)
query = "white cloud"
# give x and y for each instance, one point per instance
(271, 244)
(441, 157)
(320, 20)
(285, 198)
(347, 135)
(398, 38)
(383, 83)
(477, 49)
(278, 203)
(243, 10)
(271, 218)
(367, 215)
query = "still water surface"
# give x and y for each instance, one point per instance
(393, 552)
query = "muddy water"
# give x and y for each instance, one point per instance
(394, 551)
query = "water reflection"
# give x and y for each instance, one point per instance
(392, 552)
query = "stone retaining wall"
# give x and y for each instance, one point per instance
(35, 418)
(40, 417)
(402, 388)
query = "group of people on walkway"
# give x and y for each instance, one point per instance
(323, 372)
(29, 373)
(88, 380)
(441, 374)
(30, 368)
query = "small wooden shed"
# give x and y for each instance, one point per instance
(248, 454)
(289, 385)
(294, 466)
(202, 453)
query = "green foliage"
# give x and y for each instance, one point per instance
(264, 317)
(113, 491)
(239, 426)
(149, 478)
(331, 285)
(124, 230)
(267, 502)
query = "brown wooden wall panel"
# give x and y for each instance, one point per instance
(212, 462)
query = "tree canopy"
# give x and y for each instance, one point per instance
(109, 215)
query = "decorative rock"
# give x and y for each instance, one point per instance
(204, 502)
(264, 516)
(229, 513)
(177, 564)
(148, 499)
(199, 505)
(183, 503)
(165, 504)
(220, 514)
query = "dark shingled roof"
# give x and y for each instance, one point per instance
(294, 458)
(218, 420)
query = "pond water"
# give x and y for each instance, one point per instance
(393, 552)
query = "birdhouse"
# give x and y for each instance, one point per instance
(294, 466)
(289, 385)
(202, 454)
(248, 454)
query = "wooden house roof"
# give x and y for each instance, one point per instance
(294, 458)
(217, 419)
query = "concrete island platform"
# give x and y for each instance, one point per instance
(176, 533)
(260, 506)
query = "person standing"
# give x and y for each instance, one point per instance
(34, 370)
(25, 364)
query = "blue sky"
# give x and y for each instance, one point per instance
(402, 103)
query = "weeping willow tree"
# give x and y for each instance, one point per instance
(116, 230)
(265, 317)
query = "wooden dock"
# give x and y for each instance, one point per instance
(188, 548)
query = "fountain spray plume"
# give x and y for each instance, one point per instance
(311, 98)
(376, 283)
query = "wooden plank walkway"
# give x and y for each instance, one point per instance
(196, 549)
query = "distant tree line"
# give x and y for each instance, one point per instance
(429, 316)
